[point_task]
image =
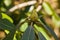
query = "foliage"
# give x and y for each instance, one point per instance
(24, 25)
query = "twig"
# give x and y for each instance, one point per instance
(22, 5)
(38, 8)
(31, 8)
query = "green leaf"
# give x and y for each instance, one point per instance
(48, 29)
(29, 34)
(10, 36)
(42, 30)
(56, 21)
(15, 37)
(3, 9)
(47, 7)
(18, 36)
(40, 36)
(7, 2)
(7, 32)
(6, 25)
(22, 20)
(24, 27)
(5, 16)
(0, 16)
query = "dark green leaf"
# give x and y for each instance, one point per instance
(1, 1)
(48, 28)
(29, 34)
(40, 36)
(6, 25)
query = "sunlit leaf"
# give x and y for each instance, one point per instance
(56, 21)
(40, 29)
(5, 16)
(40, 36)
(10, 36)
(29, 34)
(24, 27)
(48, 29)
(15, 37)
(47, 7)
(22, 20)
(18, 36)
(7, 2)
(7, 32)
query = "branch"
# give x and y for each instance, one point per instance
(22, 5)
(38, 8)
